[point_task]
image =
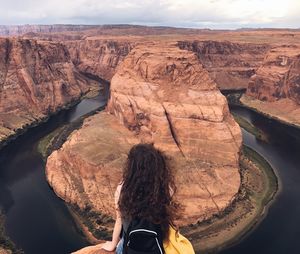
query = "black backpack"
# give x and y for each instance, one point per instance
(143, 237)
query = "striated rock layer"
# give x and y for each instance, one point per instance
(229, 64)
(98, 57)
(159, 94)
(279, 75)
(36, 79)
(275, 87)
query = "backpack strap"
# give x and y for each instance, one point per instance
(143, 226)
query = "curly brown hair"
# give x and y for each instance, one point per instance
(149, 187)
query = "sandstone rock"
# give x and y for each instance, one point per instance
(229, 64)
(160, 94)
(166, 96)
(96, 249)
(36, 79)
(275, 88)
(279, 75)
(98, 57)
(5, 251)
(87, 169)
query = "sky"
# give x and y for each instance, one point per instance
(215, 14)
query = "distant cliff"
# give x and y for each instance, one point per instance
(278, 77)
(23, 29)
(98, 57)
(36, 79)
(229, 64)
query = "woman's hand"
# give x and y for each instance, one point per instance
(108, 246)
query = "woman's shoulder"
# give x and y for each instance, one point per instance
(118, 190)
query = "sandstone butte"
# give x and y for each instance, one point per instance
(159, 94)
(36, 79)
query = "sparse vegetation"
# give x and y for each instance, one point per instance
(100, 225)
(5, 242)
(55, 139)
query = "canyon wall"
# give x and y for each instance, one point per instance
(274, 90)
(159, 94)
(98, 57)
(279, 75)
(36, 79)
(229, 64)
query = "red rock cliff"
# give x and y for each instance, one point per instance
(229, 64)
(98, 57)
(279, 75)
(36, 79)
(161, 94)
(275, 88)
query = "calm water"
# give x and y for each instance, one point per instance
(279, 232)
(39, 222)
(36, 220)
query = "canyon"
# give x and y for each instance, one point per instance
(157, 93)
(36, 79)
(164, 90)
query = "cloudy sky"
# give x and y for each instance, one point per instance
(180, 13)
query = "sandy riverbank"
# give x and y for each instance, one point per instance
(284, 111)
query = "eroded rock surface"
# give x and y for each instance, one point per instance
(279, 75)
(36, 79)
(164, 95)
(229, 64)
(275, 87)
(98, 57)
(5, 251)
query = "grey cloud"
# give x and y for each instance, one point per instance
(152, 12)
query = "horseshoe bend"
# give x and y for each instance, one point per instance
(162, 90)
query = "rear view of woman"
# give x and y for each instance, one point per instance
(145, 208)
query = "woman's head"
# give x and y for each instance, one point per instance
(148, 187)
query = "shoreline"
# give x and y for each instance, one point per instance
(26, 127)
(240, 218)
(233, 224)
(268, 115)
(88, 226)
(6, 244)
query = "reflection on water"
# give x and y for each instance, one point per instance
(279, 232)
(36, 219)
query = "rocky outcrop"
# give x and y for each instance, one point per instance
(274, 90)
(36, 79)
(164, 95)
(5, 251)
(279, 75)
(167, 97)
(229, 64)
(98, 57)
(96, 249)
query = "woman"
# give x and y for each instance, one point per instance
(146, 191)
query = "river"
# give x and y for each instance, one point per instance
(39, 222)
(36, 219)
(279, 231)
